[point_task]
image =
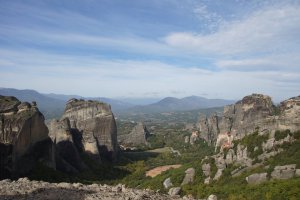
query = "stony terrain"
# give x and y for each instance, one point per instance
(39, 190)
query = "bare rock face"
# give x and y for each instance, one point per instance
(284, 172)
(138, 136)
(174, 191)
(189, 176)
(23, 138)
(67, 154)
(253, 111)
(167, 183)
(257, 178)
(209, 128)
(96, 122)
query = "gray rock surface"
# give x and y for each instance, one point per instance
(206, 169)
(212, 197)
(23, 138)
(39, 190)
(95, 122)
(252, 111)
(174, 191)
(218, 174)
(187, 139)
(138, 136)
(207, 180)
(67, 154)
(284, 172)
(257, 178)
(297, 173)
(189, 176)
(167, 183)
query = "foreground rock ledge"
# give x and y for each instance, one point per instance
(39, 190)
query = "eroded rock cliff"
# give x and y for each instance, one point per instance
(138, 136)
(23, 138)
(252, 112)
(86, 126)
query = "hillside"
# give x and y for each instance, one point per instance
(169, 104)
(50, 107)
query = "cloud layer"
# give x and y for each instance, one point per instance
(172, 49)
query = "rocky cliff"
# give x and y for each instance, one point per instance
(67, 152)
(86, 126)
(23, 138)
(138, 136)
(253, 111)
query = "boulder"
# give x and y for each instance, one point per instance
(167, 183)
(174, 191)
(212, 197)
(284, 172)
(23, 138)
(218, 174)
(207, 180)
(189, 176)
(297, 173)
(206, 169)
(257, 178)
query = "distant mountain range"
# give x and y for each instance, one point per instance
(187, 103)
(52, 105)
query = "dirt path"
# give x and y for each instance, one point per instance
(158, 170)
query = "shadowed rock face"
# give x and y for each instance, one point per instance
(138, 136)
(67, 154)
(23, 137)
(96, 122)
(252, 111)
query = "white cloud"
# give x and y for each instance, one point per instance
(278, 62)
(91, 76)
(275, 29)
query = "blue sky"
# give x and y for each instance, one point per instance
(140, 48)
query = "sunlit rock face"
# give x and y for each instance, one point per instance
(23, 137)
(96, 123)
(253, 112)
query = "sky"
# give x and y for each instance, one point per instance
(141, 49)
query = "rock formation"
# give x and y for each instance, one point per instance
(253, 111)
(67, 152)
(189, 176)
(257, 178)
(23, 138)
(39, 190)
(138, 136)
(90, 127)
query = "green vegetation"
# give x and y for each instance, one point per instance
(253, 141)
(279, 135)
(132, 167)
